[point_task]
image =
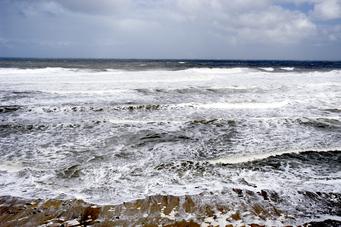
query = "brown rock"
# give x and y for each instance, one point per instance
(90, 213)
(236, 216)
(256, 225)
(52, 203)
(171, 203)
(189, 205)
(184, 223)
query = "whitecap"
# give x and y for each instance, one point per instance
(269, 69)
(288, 68)
(241, 105)
(258, 156)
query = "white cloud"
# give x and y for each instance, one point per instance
(327, 9)
(275, 25)
(245, 21)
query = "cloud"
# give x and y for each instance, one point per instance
(327, 9)
(99, 7)
(239, 21)
(171, 28)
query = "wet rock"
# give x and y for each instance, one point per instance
(189, 204)
(164, 210)
(52, 203)
(90, 214)
(236, 216)
(260, 211)
(209, 211)
(71, 223)
(183, 223)
(171, 203)
(256, 225)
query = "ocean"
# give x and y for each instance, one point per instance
(237, 133)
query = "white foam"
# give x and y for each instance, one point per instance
(11, 167)
(269, 69)
(288, 68)
(242, 105)
(220, 70)
(47, 70)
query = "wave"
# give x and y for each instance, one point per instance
(242, 105)
(333, 110)
(288, 68)
(220, 70)
(321, 123)
(9, 128)
(200, 90)
(156, 75)
(8, 109)
(143, 107)
(267, 69)
(5, 71)
(56, 69)
(263, 156)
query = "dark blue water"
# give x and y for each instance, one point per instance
(175, 64)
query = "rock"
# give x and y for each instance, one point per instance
(52, 203)
(90, 214)
(184, 223)
(172, 202)
(256, 225)
(236, 216)
(71, 223)
(189, 205)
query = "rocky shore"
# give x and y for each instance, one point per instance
(157, 210)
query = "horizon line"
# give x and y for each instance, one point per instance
(165, 59)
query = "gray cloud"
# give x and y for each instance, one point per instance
(245, 29)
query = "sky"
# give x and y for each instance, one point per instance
(181, 29)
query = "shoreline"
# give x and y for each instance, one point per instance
(162, 210)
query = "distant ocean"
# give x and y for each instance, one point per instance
(136, 64)
(112, 131)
